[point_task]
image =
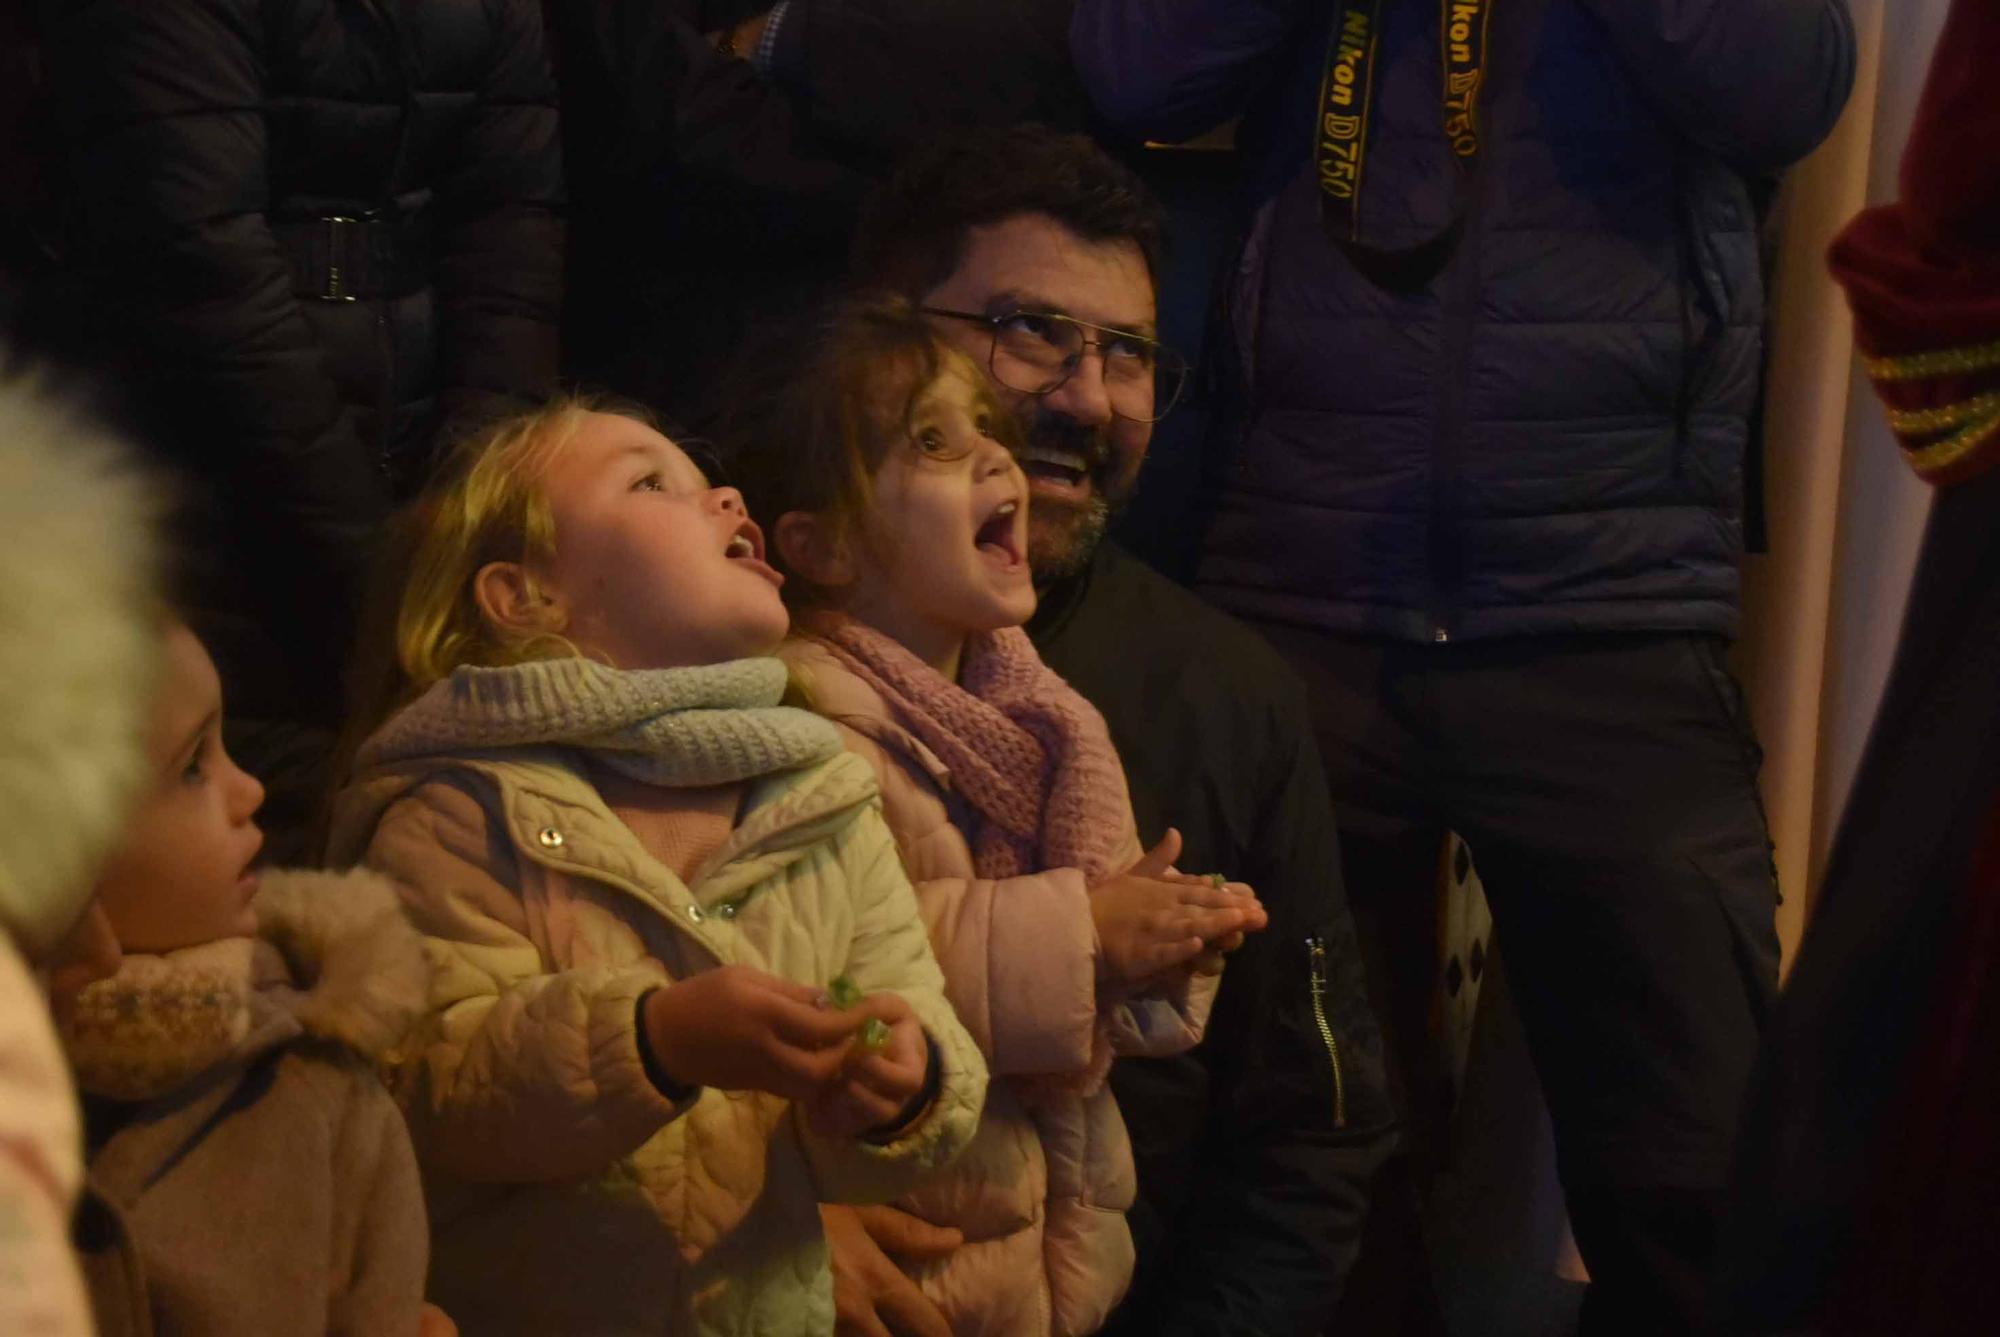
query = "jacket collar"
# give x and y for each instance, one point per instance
(335, 958)
(555, 817)
(1057, 602)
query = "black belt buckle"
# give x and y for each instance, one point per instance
(337, 250)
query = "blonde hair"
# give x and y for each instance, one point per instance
(812, 419)
(487, 504)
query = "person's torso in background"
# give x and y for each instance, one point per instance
(1546, 435)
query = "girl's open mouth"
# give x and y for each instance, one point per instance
(1000, 537)
(746, 545)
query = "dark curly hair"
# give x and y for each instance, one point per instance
(913, 231)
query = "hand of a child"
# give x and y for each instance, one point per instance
(434, 1322)
(1151, 919)
(739, 1029)
(1213, 952)
(871, 1295)
(873, 1086)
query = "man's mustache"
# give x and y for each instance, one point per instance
(1059, 431)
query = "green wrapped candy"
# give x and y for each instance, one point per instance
(845, 993)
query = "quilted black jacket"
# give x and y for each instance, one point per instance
(1257, 1151)
(317, 230)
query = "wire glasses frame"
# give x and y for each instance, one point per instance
(1036, 353)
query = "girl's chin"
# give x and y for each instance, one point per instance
(1003, 611)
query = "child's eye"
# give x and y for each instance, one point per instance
(931, 441)
(193, 773)
(985, 425)
(650, 483)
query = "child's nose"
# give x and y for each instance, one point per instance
(729, 500)
(246, 793)
(995, 458)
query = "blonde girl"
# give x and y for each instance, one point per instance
(638, 875)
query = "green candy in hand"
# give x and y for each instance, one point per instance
(845, 993)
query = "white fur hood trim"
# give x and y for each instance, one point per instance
(351, 952)
(77, 653)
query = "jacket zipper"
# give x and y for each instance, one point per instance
(1316, 953)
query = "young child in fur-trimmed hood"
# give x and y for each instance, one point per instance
(249, 1174)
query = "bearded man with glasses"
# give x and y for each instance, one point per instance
(1036, 254)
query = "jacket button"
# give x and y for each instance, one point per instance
(550, 838)
(694, 913)
(727, 909)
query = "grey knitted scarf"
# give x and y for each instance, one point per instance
(681, 728)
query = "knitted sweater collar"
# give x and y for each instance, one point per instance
(681, 728)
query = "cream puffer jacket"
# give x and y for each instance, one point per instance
(569, 1194)
(1041, 1194)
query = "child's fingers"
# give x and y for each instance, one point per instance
(891, 1009)
(909, 1237)
(802, 1074)
(1155, 862)
(892, 1080)
(850, 1108)
(1207, 925)
(807, 1026)
(1156, 957)
(434, 1322)
(1208, 896)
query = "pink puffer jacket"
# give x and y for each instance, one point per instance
(1041, 1193)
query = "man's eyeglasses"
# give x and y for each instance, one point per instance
(1036, 352)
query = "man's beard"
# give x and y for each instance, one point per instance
(1063, 535)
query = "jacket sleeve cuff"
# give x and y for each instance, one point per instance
(1164, 1021)
(627, 1066)
(1042, 975)
(919, 1104)
(681, 1093)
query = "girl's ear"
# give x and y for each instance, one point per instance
(808, 546)
(511, 601)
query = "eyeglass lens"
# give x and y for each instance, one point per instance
(1036, 354)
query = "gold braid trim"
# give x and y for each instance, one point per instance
(1942, 362)
(1942, 455)
(1923, 422)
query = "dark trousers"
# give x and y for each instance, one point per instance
(1607, 786)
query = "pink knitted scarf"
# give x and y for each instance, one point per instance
(1031, 757)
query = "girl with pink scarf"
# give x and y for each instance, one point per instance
(901, 523)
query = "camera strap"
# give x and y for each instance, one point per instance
(1346, 108)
